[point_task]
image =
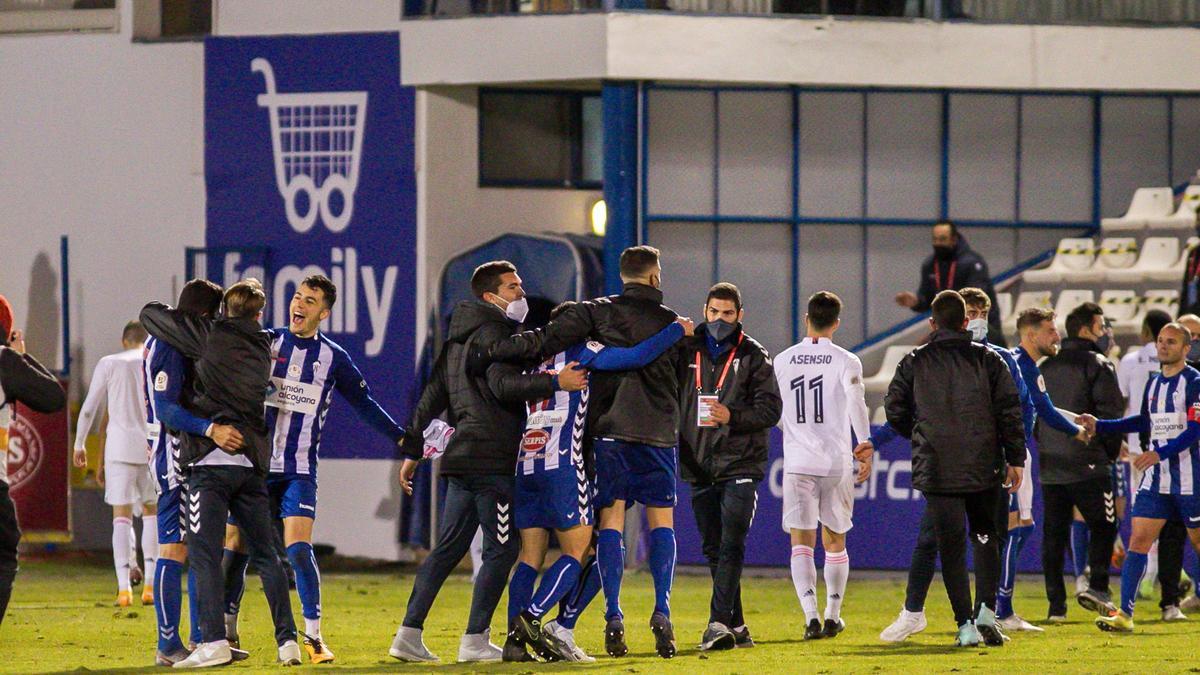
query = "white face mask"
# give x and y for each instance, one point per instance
(517, 310)
(978, 329)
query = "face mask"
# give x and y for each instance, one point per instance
(517, 309)
(1104, 343)
(719, 330)
(943, 252)
(978, 329)
(1194, 351)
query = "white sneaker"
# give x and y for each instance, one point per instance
(478, 648)
(908, 623)
(408, 646)
(289, 653)
(1081, 583)
(207, 655)
(1015, 623)
(567, 636)
(1173, 613)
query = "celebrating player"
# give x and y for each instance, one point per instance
(825, 387)
(117, 383)
(1170, 414)
(553, 494)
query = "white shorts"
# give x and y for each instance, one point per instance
(126, 483)
(808, 500)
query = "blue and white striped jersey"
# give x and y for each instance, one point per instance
(1168, 404)
(163, 373)
(554, 427)
(305, 374)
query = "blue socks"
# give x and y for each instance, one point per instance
(1079, 546)
(520, 589)
(1131, 577)
(610, 555)
(1008, 568)
(193, 608)
(308, 578)
(235, 565)
(168, 602)
(662, 567)
(556, 583)
(577, 600)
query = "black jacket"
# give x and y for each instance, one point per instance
(1079, 378)
(738, 449)
(1191, 272)
(635, 406)
(965, 270)
(486, 408)
(233, 375)
(26, 381)
(957, 401)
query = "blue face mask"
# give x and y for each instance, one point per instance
(1104, 343)
(1194, 351)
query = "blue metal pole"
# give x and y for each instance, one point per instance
(620, 111)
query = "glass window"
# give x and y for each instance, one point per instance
(531, 138)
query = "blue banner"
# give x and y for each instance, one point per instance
(309, 157)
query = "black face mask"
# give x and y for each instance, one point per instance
(943, 252)
(720, 330)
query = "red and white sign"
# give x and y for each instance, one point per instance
(38, 474)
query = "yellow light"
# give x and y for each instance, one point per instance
(599, 216)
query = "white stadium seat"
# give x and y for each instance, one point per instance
(1174, 272)
(1073, 255)
(1112, 253)
(1165, 299)
(1122, 308)
(879, 382)
(1158, 253)
(1026, 300)
(1068, 300)
(1147, 204)
(1004, 302)
(1184, 218)
(880, 416)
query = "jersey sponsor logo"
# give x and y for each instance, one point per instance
(546, 418)
(297, 397)
(1165, 426)
(161, 380)
(1194, 413)
(533, 442)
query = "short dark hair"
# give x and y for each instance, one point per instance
(637, 261)
(1032, 317)
(244, 299)
(1082, 317)
(1154, 322)
(949, 310)
(950, 223)
(134, 332)
(320, 282)
(975, 297)
(201, 297)
(486, 277)
(725, 291)
(824, 309)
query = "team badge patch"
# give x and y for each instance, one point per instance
(160, 381)
(594, 346)
(294, 370)
(1041, 383)
(1194, 413)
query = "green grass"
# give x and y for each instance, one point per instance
(61, 620)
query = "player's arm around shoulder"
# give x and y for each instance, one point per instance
(761, 405)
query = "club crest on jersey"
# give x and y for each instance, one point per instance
(294, 370)
(1194, 413)
(1041, 383)
(594, 346)
(160, 381)
(534, 441)
(316, 366)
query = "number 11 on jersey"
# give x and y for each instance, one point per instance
(817, 386)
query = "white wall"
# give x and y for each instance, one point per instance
(289, 17)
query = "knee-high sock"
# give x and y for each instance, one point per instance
(168, 603)
(520, 589)
(234, 565)
(122, 529)
(804, 578)
(610, 555)
(1079, 546)
(1131, 578)
(574, 602)
(1151, 562)
(1008, 568)
(662, 567)
(308, 585)
(837, 571)
(193, 609)
(1191, 566)
(150, 544)
(556, 583)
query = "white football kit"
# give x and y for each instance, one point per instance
(824, 400)
(117, 385)
(1134, 371)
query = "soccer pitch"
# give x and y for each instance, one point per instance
(61, 619)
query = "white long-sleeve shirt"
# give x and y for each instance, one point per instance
(824, 399)
(117, 386)
(1134, 371)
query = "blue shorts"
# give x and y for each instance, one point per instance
(292, 495)
(1168, 507)
(558, 499)
(171, 516)
(634, 472)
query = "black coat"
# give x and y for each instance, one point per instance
(957, 402)
(969, 271)
(486, 408)
(1080, 379)
(232, 377)
(1191, 270)
(23, 379)
(738, 449)
(635, 406)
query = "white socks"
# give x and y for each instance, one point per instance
(1152, 563)
(837, 570)
(149, 546)
(312, 627)
(122, 532)
(804, 578)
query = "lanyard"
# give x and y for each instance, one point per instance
(937, 275)
(724, 371)
(1195, 266)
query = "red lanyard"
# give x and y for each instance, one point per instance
(1195, 266)
(937, 275)
(724, 371)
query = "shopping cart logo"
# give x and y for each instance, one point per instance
(316, 139)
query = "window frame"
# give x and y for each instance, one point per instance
(575, 181)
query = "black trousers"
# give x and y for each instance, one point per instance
(950, 514)
(1170, 561)
(214, 492)
(471, 502)
(1095, 500)
(10, 536)
(724, 512)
